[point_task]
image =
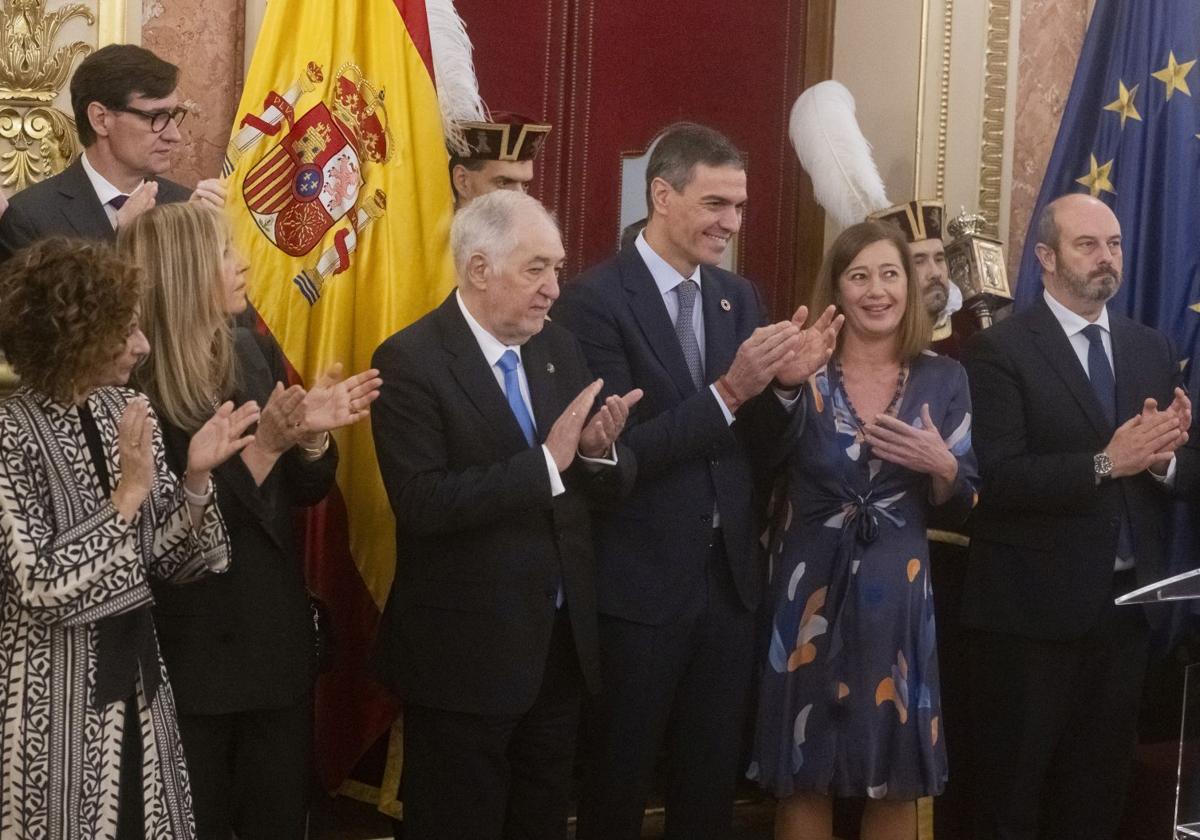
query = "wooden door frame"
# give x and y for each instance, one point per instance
(816, 44)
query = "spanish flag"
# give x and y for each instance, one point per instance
(339, 197)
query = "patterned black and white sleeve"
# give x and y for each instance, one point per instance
(63, 572)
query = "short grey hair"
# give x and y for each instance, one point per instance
(487, 225)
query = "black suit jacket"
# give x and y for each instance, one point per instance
(65, 205)
(244, 639)
(481, 544)
(653, 549)
(1045, 534)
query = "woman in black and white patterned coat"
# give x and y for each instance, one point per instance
(89, 513)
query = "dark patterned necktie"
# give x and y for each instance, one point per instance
(685, 330)
(117, 201)
(1100, 372)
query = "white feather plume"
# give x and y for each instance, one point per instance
(835, 154)
(454, 71)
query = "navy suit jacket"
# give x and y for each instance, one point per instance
(1045, 533)
(652, 550)
(65, 205)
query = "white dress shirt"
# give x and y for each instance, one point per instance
(667, 279)
(493, 348)
(105, 191)
(1073, 324)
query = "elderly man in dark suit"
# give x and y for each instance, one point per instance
(679, 577)
(127, 113)
(1077, 459)
(490, 462)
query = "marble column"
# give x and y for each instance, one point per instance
(206, 40)
(1051, 38)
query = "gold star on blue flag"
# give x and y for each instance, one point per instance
(1097, 180)
(1174, 75)
(1123, 104)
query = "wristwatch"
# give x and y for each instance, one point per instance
(1102, 464)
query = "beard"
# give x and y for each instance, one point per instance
(1098, 285)
(935, 297)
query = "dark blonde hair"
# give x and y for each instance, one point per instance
(915, 327)
(65, 310)
(181, 248)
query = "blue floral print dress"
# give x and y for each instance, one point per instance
(848, 702)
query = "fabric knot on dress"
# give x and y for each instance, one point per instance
(865, 521)
(859, 515)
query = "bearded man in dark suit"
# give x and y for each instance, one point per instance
(1079, 426)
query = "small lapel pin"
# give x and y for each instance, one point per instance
(725, 304)
(549, 367)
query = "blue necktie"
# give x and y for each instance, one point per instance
(510, 362)
(685, 330)
(1101, 374)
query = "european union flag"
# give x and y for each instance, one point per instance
(1130, 136)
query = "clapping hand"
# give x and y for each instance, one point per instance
(219, 439)
(602, 431)
(135, 453)
(758, 359)
(140, 200)
(281, 425)
(921, 450)
(210, 191)
(334, 402)
(813, 348)
(564, 436)
(1144, 441)
(1181, 410)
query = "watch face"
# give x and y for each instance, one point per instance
(1103, 464)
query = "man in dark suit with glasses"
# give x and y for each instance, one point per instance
(127, 113)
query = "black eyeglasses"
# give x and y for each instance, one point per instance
(158, 119)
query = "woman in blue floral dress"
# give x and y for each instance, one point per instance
(849, 703)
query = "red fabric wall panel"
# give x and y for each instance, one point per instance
(609, 74)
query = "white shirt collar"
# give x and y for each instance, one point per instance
(492, 347)
(105, 191)
(665, 277)
(1072, 322)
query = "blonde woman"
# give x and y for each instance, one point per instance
(89, 516)
(241, 649)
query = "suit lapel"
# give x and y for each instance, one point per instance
(1125, 370)
(720, 337)
(470, 369)
(651, 314)
(82, 208)
(542, 374)
(1060, 356)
